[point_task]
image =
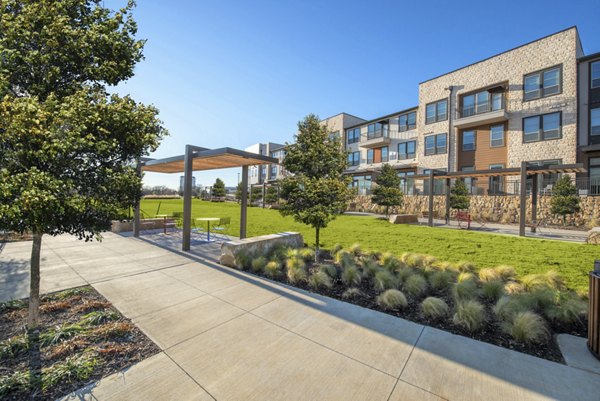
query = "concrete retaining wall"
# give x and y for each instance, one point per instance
(258, 246)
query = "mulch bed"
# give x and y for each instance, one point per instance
(490, 333)
(114, 343)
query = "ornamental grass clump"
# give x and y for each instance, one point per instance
(405, 273)
(351, 276)
(486, 275)
(466, 267)
(243, 260)
(465, 290)
(550, 279)
(352, 293)
(273, 269)
(441, 280)
(465, 276)
(295, 262)
(384, 280)
(258, 264)
(513, 287)
(370, 268)
(336, 248)
(355, 249)
(319, 279)
(329, 269)
(470, 315)
(508, 306)
(307, 254)
(492, 289)
(528, 327)
(413, 260)
(391, 262)
(506, 272)
(415, 285)
(344, 259)
(392, 300)
(296, 274)
(434, 308)
(568, 308)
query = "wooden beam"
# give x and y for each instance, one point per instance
(523, 199)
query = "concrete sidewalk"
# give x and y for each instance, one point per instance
(227, 335)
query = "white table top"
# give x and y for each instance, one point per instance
(208, 218)
(162, 215)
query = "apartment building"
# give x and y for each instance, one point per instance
(589, 120)
(519, 105)
(266, 173)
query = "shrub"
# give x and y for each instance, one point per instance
(296, 275)
(291, 253)
(392, 300)
(486, 275)
(319, 279)
(355, 249)
(273, 269)
(506, 272)
(567, 309)
(493, 289)
(512, 287)
(295, 262)
(507, 307)
(351, 276)
(384, 280)
(330, 270)
(434, 308)
(415, 285)
(464, 290)
(441, 280)
(469, 315)
(352, 293)
(258, 264)
(307, 254)
(370, 268)
(243, 260)
(466, 267)
(528, 327)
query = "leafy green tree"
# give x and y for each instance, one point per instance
(316, 191)
(218, 189)
(271, 195)
(238, 192)
(564, 198)
(459, 196)
(67, 148)
(387, 192)
(256, 193)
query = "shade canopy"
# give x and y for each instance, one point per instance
(208, 159)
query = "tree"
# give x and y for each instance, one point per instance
(218, 189)
(256, 193)
(459, 196)
(238, 192)
(317, 190)
(271, 195)
(68, 149)
(564, 198)
(387, 192)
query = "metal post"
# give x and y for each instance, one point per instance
(430, 216)
(523, 199)
(447, 201)
(264, 194)
(244, 202)
(136, 208)
(188, 163)
(534, 195)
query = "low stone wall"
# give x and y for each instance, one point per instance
(258, 245)
(498, 209)
(120, 226)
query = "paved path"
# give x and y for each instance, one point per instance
(227, 335)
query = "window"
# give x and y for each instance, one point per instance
(362, 183)
(469, 181)
(496, 136)
(438, 184)
(496, 184)
(595, 74)
(353, 158)
(542, 128)
(481, 102)
(468, 141)
(407, 121)
(542, 84)
(377, 130)
(435, 144)
(407, 150)
(384, 154)
(370, 154)
(594, 172)
(595, 121)
(335, 134)
(437, 111)
(353, 135)
(273, 171)
(407, 182)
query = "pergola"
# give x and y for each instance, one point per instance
(198, 159)
(526, 171)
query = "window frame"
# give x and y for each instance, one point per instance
(406, 126)
(462, 138)
(355, 137)
(591, 131)
(353, 158)
(387, 154)
(540, 74)
(435, 144)
(372, 158)
(592, 63)
(407, 154)
(541, 127)
(503, 136)
(436, 113)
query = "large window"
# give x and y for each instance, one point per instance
(407, 150)
(543, 83)
(435, 144)
(481, 102)
(595, 74)
(439, 185)
(595, 121)
(496, 183)
(545, 181)
(436, 111)
(353, 158)
(353, 135)
(496, 136)
(407, 121)
(468, 140)
(370, 156)
(273, 171)
(542, 128)
(594, 172)
(362, 183)
(385, 154)
(407, 182)
(378, 155)
(469, 181)
(377, 130)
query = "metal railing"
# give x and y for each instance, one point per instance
(480, 108)
(392, 134)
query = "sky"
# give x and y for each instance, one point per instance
(234, 73)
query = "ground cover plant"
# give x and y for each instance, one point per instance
(490, 304)
(82, 338)
(526, 255)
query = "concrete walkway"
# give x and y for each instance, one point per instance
(227, 335)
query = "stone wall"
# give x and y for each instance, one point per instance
(499, 209)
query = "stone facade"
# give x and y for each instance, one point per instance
(498, 209)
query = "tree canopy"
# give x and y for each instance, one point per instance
(564, 198)
(218, 188)
(387, 192)
(459, 196)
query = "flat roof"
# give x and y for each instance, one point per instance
(208, 159)
(383, 117)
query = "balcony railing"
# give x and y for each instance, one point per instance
(381, 133)
(481, 108)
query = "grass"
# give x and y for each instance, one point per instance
(528, 327)
(392, 300)
(526, 255)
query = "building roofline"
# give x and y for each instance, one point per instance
(348, 114)
(503, 52)
(588, 57)
(383, 117)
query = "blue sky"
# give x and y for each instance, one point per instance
(233, 73)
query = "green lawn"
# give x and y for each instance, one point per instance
(573, 261)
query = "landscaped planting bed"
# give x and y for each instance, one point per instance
(490, 304)
(82, 338)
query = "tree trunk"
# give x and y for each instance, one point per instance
(387, 214)
(317, 245)
(33, 319)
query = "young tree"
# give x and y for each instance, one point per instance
(317, 190)
(271, 195)
(67, 148)
(238, 192)
(256, 193)
(459, 196)
(218, 189)
(564, 198)
(387, 192)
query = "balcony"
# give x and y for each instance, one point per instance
(482, 113)
(376, 139)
